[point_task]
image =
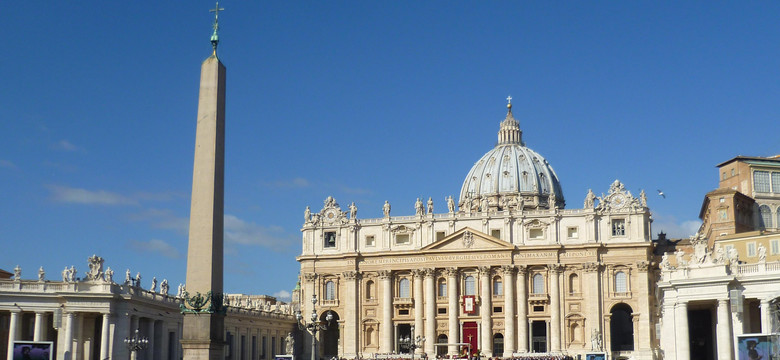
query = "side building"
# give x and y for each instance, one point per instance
(726, 281)
(89, 317)
(505, 269)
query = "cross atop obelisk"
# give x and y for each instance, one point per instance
(204, 319)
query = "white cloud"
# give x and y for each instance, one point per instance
(673, 228)
(82, 196)
(7, 164)
(163, 219)
(242, 232)
(65, 145)
(282, 295)
(294, 183)
(155, 246)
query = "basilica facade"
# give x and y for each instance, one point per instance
(506, 269)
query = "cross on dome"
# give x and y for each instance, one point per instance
(509, 101)
(214, 36)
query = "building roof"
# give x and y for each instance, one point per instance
(754, 160)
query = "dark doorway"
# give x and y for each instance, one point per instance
(539, 336)
(403, 331)
(441, 350)
(330, 337)
(621, 328)
(700, 334)
(498, 345)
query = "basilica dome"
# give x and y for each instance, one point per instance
(510, 176)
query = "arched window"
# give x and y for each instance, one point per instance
(330, 290)
(498, 286)
(441, 350)
(766, 216)
(574, 284)
(621, 285)
(621, 328)
(403, 288)
(471, 285)
(538, 285)
(442, 287)
(498, 345)
(370, 292)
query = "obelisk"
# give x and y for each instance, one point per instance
(203, 333)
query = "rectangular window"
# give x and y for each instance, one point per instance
(498, 287)
(402, 239)
(776, 182)
(403, 311)
(751, 249)
(572, 232)
(370, 240)
(496, 233)
(536, 234)
(618, 227)
(330, 239)
(498, 309)
(440, 235)
(538, 308)
(442, 287)
(442, 310)
(774, 247)
(761, 181)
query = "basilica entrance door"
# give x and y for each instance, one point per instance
(470, 334)
(539, 336)
(330, 337)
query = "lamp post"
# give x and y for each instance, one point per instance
(412, 343)
(314, 326)
(136, 343)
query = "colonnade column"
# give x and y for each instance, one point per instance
(104, 337)
(509, 310)
(12, 330)
(522, 309)
(766, 321)
(485, 309)
(430, 312)
(351, 300)
(555, 307)
(386, 342)
(68, 336)
(152, 343)
(723, 330)
(418, 304)
(453, 335)
(681, 331)
(38, 332)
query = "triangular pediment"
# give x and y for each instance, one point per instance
(468, 239)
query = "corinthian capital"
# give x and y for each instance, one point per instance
(310, 277)
(384, 274)
(508, 269)
(452, 271)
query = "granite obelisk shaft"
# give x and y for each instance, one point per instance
(202, 337)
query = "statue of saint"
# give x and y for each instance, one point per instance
(307, 215)
(590, 199)
(65, 274)
(430, 205)
(41, 274)
(352, 210)
(289, 342)
(128, 277)
(761, 253)
(643, 198)
(138, 279)
(418, 207)
(154, 285)
(450, 204)
(109, 275)
(164, 287)
(386, 209)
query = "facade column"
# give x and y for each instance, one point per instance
(522, 309)
(509, 310)
(766, 325)
(38, 332)
(351, 300)
(68, 346)
(418, 304)
(430, 312)
(485, 310)
(723, 330)
(555, 307)
(104, 337)
(386, 342)
(13, 329)
(453, 335)
(152, 343)
(681, 331)
(592, 292)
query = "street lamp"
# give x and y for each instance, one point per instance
(136, 343)
(412, 342)
(314, 326)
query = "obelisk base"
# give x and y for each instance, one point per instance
(203, 337)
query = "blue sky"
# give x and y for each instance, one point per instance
(364, 100)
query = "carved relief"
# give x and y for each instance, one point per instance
(591, 267)
(310, 277)
(468, 239)
(351, 275)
